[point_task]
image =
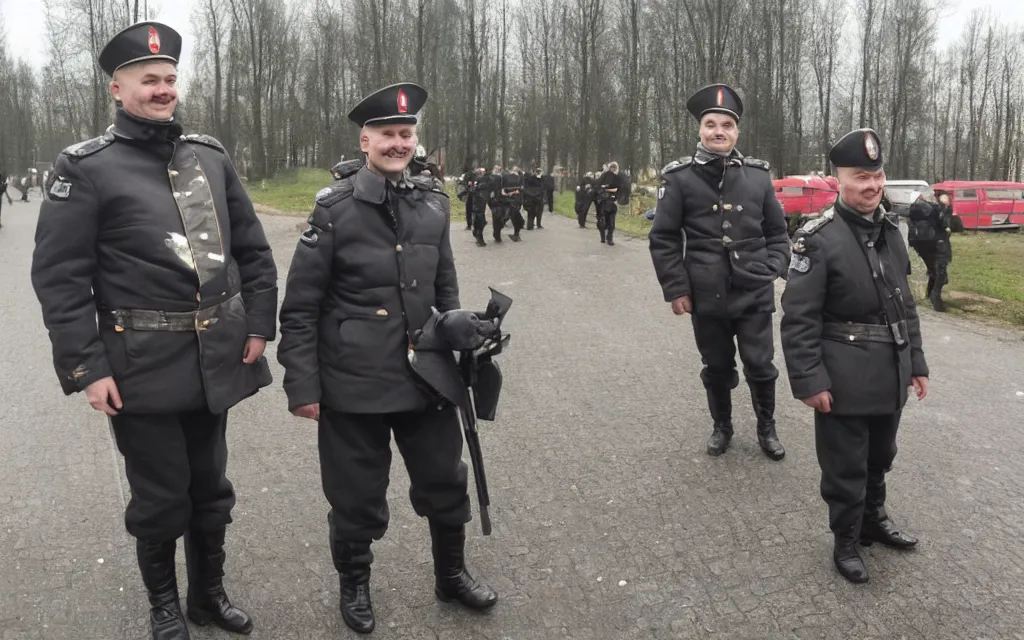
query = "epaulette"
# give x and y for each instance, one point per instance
(332, 195)
(89, 147)
(203, 139)
(346, 168)
(428, 183)
(757, 164)
(813, 226)
(321, 220)
(676, 165)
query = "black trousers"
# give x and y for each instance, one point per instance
(514, 212)
(355, 467)
(176, 466)
(534, 212)
(478, 220)
(497, 219)
(582, 209)
(606, 212)
(936, 257)
(854, 453)
(715, 340)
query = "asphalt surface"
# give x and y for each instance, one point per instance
(610, 521)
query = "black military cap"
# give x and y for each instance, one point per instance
(141, 42)
(859, 148)
(715, 98)
(396, 104)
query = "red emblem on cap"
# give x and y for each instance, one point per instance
(721, 97)
(403, 102)
(154, 40)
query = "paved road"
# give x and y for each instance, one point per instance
(610, 522)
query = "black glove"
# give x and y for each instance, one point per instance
(465, 330)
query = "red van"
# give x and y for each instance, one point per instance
(804, 197)
(985, 205)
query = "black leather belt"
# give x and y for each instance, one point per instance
(853, 332)
(147, 320)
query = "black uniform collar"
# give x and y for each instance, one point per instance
(859, 220)
(133, 127)
(372, 187)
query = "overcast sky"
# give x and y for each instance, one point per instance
(24, 23)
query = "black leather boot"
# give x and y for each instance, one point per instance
(207, 601)
(352, 559)
(931, 285)
(847, 558)
(762, 395)
(720, 406)
(156, 562)
(936, 298)
(515, 236)
(611, 242)
(451, 579)
(878, 527)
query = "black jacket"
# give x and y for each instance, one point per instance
(479, 192)
(719, 235)
(374, 260)
(831, 289)
(584, 194)
(533, 190)
(145, 220)
(928, 224)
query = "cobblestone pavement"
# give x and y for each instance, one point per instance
(610, 521)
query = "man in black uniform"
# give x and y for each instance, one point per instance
(718, 243)
(154, 232)
(606, 192)
(476, 204)
(496, 201)
(512, 194)
(852, 341)
(929, 234)
(375, 259)
(533, 198)
(3, 193)
(549, 192)
(584, 197)
(464, 192)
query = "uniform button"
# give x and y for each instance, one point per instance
(398, 248)
(871, 243)
(205, 323)
(726, 225)
(198, 297)
(402, 286)
(874, 274)
(714, 207)
(852, 338)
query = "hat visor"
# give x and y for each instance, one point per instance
(388, 120)
(153, 58)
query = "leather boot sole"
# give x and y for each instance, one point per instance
(867, 541)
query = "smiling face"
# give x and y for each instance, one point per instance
(719, 132)
(388, 148)
(147, 90)
(861, 189)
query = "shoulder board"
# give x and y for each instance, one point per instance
(428, 183)
(89, 147)
(346, 168)
(203, 139)
(813, 226)
(757, 164)
(332, 195)
(676, 165)
(320, 219)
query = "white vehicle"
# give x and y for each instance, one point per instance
(903, 193)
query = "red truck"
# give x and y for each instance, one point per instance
(804, 197)
(985, 205)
